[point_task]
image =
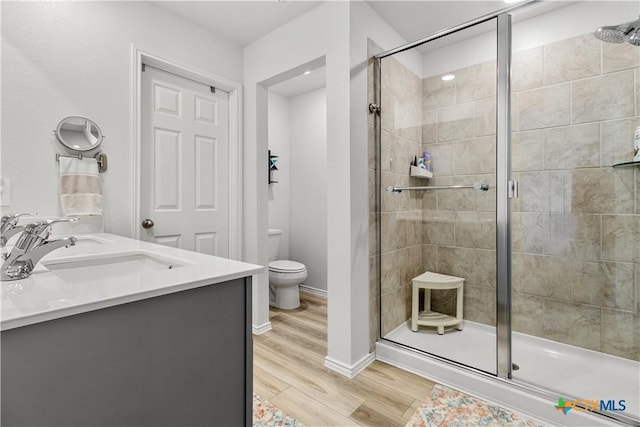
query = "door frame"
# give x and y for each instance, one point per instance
(140, 57)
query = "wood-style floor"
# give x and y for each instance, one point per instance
(289, 371)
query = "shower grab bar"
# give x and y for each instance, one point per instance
(480, 186)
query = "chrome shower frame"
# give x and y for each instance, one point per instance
(503, 202)
(503, 170)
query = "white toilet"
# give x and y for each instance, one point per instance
(284, 276)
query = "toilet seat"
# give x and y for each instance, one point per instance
(286, 266)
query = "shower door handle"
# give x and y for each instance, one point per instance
(513, 192)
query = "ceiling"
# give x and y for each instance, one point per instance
(242, 22)
(301, 84)
(415, 20)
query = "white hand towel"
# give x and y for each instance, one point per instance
(80, 189)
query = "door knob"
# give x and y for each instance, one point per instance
(147, 223)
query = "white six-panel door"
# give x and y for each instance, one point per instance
(185, 163)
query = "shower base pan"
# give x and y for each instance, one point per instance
(570, 372)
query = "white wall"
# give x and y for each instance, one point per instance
(298, 202)
(301, 41)
(308, 232)
(531, 31)
(298, 42)
(571, 21)
(364, 24)
(279, 201)
(74, 58)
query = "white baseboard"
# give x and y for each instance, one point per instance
(315, 291)
(261, 329)
(346, 370)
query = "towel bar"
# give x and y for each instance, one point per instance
(74, 156)
(101, 158)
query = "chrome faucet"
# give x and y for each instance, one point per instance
(9, 227)
(31, 246)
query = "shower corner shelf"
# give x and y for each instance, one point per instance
(626, 164)
(419, 172)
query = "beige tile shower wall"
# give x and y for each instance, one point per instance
(459, 225)
(576, 225)
(401, 213)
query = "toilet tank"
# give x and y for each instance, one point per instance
(274, 243)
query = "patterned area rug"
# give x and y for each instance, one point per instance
(447, 407)
(266, 414)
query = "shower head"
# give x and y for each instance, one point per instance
(627, 32)
(610, 34)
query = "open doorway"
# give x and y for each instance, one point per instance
(297, 223)
(297, 121)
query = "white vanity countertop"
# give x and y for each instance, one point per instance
(46, 296)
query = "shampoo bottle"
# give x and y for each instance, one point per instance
(427, 160)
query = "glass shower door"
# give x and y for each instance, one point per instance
(438, 116)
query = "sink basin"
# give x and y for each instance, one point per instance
(110, 266)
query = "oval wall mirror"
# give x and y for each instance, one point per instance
(79, 133)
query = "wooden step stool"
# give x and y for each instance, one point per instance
(429, 281)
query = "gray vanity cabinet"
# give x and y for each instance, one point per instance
(179, 359)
